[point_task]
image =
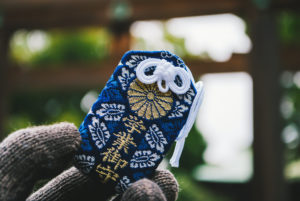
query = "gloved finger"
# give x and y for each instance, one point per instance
(168, 184)
(31, 154)
(163, 179)
(144, 190)
(72, 185)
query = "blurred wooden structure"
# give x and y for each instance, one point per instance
(264, 63)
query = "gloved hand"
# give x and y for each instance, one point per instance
(31, 154)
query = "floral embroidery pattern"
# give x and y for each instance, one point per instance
(135, 60)
(178, 110)
(155, 138)
(124, 78)
(144, 159)
(99, 132)
(147, 101)
(84, 162)
(188, 96)
(123, 184)
(111, 112)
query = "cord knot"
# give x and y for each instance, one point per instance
(164, 74)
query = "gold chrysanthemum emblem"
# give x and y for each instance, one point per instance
(147, 101)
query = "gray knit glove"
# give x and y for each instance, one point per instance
(32, 154)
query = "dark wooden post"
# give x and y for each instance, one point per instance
(4, 86)
(120, 38)
(268, 181)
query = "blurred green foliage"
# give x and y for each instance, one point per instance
(37, 48)
(289, 27)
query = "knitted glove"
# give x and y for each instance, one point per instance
(36, 153)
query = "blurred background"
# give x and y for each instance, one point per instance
(56, 55)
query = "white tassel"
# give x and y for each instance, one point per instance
(174, 161)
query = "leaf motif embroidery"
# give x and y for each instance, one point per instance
(155, 138)
(99, 132)
(111, 112)
(144, 159)
(135, 60)
(124, 78)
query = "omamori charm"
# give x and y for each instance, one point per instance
(150, 101)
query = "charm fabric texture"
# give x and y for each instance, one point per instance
(150, 101)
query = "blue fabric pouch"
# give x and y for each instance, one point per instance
(150, 101)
